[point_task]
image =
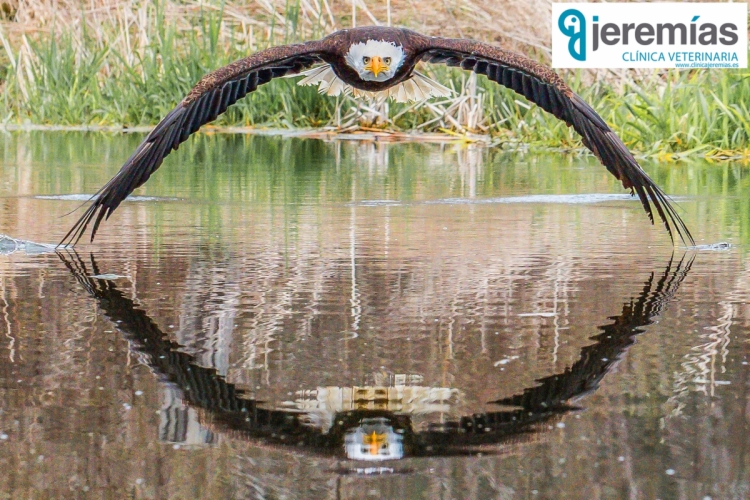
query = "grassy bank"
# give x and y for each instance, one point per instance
(134, 72)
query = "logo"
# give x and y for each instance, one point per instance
(573, 25)
(649, 35)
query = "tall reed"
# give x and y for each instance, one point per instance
(132, 69)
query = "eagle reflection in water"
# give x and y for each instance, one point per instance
(372, 423)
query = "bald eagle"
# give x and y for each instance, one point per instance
(377, 62)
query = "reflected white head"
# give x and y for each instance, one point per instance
(376, 60)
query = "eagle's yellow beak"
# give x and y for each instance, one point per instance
(376, 65)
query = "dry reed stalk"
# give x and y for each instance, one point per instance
(464, 111)
(519, 25)
(161, 48)
(126, 27)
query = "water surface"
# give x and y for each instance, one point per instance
(289, 318)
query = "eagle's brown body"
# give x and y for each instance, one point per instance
(220, 89)
(332, 48)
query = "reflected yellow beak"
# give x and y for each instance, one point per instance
(375, 441)
(376, 65)
(373, 444)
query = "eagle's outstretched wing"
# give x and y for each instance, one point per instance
(541, 85)
(211, 96)
(218, 90)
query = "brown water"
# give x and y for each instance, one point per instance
(287, 318)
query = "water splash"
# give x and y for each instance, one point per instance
(714, 247)
(9, 245)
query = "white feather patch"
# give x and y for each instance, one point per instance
(417, 88)
(327, 81)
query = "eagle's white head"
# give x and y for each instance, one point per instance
(375, 60)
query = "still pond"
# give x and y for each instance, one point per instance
(277, 317)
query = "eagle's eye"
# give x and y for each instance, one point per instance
(366, 60)
(387, 60)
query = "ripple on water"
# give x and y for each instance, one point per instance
(713, 247)
(87, 197)
(572, 199)
(9, 245)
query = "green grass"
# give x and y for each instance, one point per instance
(65, 79)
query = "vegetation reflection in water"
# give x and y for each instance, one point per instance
(225, 171)
(308, 273)
(371, 423)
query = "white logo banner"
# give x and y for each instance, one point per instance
(649, 35)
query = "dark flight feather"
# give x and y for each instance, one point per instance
(542, 86)
(205, 102)
(218, 90)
